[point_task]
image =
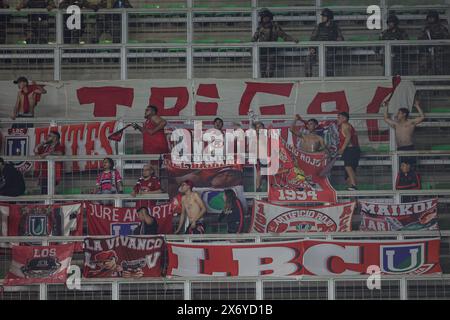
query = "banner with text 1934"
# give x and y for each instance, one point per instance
(300, 178)
(421, 215)
(280, 219)
(304, 257)
(118, 221)
(39, 264)
(123, 257)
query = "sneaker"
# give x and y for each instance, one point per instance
(352, 188)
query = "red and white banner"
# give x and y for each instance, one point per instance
(412, 216)
(280, 219)
(118, 221)
(39, 264)
(207, 97)
(41, 219)
(77, 139)
(123, 257)
(304, 257)
(299, 178)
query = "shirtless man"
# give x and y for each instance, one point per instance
(192, 207)
(27, 98)
(404, 127)
(310, 142)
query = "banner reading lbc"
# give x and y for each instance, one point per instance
(304, 257)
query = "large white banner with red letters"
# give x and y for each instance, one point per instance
(209, 97)
(304, 257)
(269, 217)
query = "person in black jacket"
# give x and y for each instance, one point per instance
(11, 180)
(148, 225)
(407, 179)
(233, 211)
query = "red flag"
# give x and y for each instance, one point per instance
(395, 82)
(39, 264)
(117, 135)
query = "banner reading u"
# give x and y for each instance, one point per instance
(402, 258)
(123, 229)
(37, 225)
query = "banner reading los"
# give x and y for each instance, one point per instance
(420, 215)
(118, 221)
(39, 264)
(300, 178)
(304, 257)
(279, 219)
(123, 257)
(41, 220)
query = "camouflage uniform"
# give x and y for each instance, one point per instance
(433, 59)
(268, 56)
(324, 32)
(110, 23)
(74, 36)
(396, 33)
(37, 30)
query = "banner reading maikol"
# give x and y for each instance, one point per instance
(299, 178)
(39, 264)
(279, 219)
(123, 257)
(304, 257)
(411, 216)
(118, 221)
(41, 219)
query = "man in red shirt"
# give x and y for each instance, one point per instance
(154, 138)
(348, 149)
(53, 147)
(146, 184)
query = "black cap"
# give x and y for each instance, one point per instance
(433, 14)
(264, 12)
(20, 79)
(393, 18)
(327, 13)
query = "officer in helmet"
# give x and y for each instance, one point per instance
(269, 31)
(434, 29)
(327, 30)
(393, 32)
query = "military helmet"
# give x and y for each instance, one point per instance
(264, 12)
(393, 18)
(327, 13)
(433, 14)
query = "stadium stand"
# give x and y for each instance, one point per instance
(180, 42)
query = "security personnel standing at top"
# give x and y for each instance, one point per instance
(433, 58)
(267, 31)
(327, 30)
(393, 32)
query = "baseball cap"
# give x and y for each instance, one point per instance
(189, 183)
(20, 79)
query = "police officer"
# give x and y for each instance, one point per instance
(434, 29)
(268, 30)
(37, 30)
(393, 32)
(109, 24)
(327, 30)
(3, 21)
(433, 58)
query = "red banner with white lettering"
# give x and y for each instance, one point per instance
(123, 257)
(118, 221)
(39, 264)
(269, 218)
(421, 215)
(300, 178)
(304, 257)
